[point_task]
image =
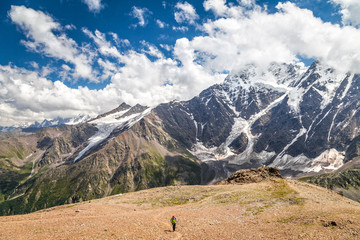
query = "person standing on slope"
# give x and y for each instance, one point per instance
(173, 221)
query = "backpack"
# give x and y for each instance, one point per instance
(173, 221)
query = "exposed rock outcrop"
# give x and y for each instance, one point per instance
(252, 175)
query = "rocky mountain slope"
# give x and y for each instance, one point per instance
(117, 152)
(271, 209)
(300, 120)
(297, 119)
(345, 180)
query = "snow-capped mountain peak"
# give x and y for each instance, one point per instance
(288, 115)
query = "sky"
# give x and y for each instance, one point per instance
(77, 57)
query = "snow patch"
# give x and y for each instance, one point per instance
(106, 125)
(298, 163)
(350, 80)
(203, 153)
(330, 159)
(248, 155)
(295, 98)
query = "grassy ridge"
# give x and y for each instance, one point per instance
(347, 182)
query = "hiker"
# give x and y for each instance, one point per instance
(173, 220)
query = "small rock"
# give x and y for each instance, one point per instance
(329, 223)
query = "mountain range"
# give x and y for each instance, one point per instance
(302, 120)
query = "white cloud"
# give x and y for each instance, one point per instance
(35, 65)
(185, 13)
(145, 77)
(221, 9)
(161, 24)
(104, 46)
(166, 47)
(140, 14)
(151, 50)
(39, 29)
(120, 42)
(148, 82)
(66, 67)
(108, 68)
(217, 6)
(180, 29)
(94, 5)
(350, 10)
(247, 3)
(26, 97)
(259, 37)
(70, 27)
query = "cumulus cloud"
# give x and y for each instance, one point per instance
(140, 14)
(26, 96)
(94, 5)
(217, 6)
(39, 29)
(350, 10)
(260, 37)
(151, 82)
(185, 13)
(146, 77)
(221, 9)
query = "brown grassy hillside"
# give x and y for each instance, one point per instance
(273, 209)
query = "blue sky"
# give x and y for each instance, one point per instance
(71, 57)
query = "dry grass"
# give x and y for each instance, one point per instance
(276, 209)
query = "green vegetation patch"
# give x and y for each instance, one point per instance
(344, 179)
(11, 177)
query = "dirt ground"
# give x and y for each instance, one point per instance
(283, 209)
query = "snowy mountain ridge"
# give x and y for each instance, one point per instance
(59, 121)
(309, 101)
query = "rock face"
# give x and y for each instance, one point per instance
(253, 175)
(300, 120)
